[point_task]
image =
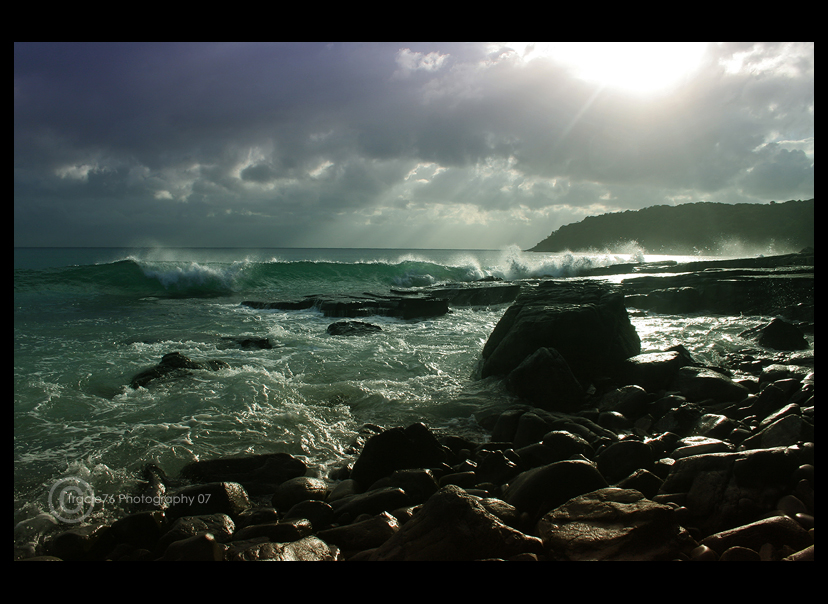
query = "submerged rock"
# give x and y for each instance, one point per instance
(173, 364)
(352, 328)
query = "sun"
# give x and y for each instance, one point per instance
(635, 67)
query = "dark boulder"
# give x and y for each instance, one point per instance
(563, 445)
(585, 322)
(652, 371)
(366, 534)
(221, 526)
(622, 458)
(397, 449)
(297, 489)
(725, 490)
(779, 531)
(453, 526)
(385, 499)
(539, 490)
(352, 328)
(701, 384)
(614, 524)
(174, 364)
(309, 549)
(228, 498)
(779, 335)
(280, 532)
(202, 547)
(631, 401)
(545, 380)
(258, 474)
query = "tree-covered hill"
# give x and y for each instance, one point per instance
(705, 227)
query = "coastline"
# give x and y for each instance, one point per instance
(407, 484)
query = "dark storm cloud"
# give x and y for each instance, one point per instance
(323, 144)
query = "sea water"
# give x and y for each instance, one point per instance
(87, 320)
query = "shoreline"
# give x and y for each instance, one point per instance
(628, 447)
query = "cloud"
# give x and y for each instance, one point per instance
(409, 62)
(306, 144)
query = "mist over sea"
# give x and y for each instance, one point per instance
(86, 320)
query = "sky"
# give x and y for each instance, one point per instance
(394, 145)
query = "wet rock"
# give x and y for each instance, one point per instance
(199, 548)
(221, 526)
(81, 543)
(586, 323)
(786, 431)
(682, 420)
(480, 293)
(531, 428)
(700, 445)
(309, 549)
(370, 502)
(280, 532)
(723, 490)
(363, 305)
(173, 364)
(712, 425)
(419, 484)
(506, 425)
(614, 524)
(300, 488)
(643, 481)
(249, 343)
(212, 498)
(141, 530)
(256, 515)
(345, 488)
(777, 530)
(622, 458)
(701, 384)
(805, 555)
(779, 335)
(497, 467)
(562, 445)
(740, 554)
(359, 536)
(542, 489)
(258, 474)
(631, 401)
(453, 525)
(319, 513)
(652, 371)
(397, 449)
(352, 328)
(545, 380)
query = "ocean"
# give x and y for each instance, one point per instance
(87, 320)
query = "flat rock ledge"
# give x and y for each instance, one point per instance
(420, 303)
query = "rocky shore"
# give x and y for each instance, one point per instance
(609, 454)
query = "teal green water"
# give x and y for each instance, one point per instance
(87, 320)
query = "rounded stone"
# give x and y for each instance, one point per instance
(624, 457)
(805, 520)
(295, 490)
(791, 506)
(703, 554)
(739, 554)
